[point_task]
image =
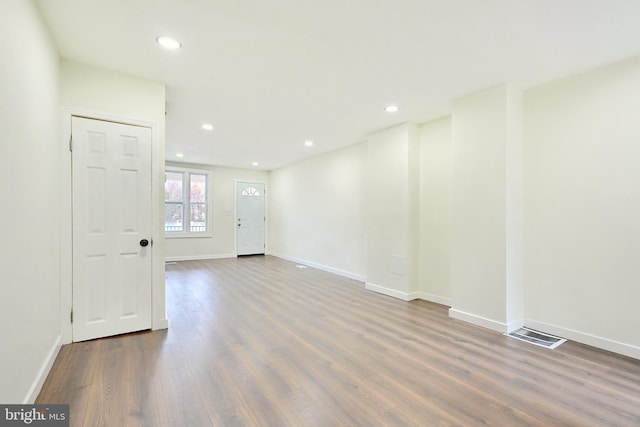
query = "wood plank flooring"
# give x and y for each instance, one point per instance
(255, 341)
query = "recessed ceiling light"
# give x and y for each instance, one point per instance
(255, 164)
(207, 126)
(168, 42)
(391, 108)
(179, 155)
(308, 143)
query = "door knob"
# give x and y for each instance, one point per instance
(144, 242)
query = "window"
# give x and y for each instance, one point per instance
(251, 192)
(186, 203)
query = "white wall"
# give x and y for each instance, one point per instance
(222, 243)
(30, 188)
(554, 213)
(582, 201)
(98, 90)
(104, 94)
(514, 157)
(478, 266)
(391, 211)
(317, 211)
(487, 236)
(435, 211)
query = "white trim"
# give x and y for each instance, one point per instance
(158, 300)
(35, 388)
(370, 286)
(159, 318)
(188, 234)
(479, 320)
(160, 324)
(514, 326)
(584, 338)
(391, 292)
(66, 226)
(198, 257)
(434, 298)
(235, 212)
(413, 295)
(343, 273)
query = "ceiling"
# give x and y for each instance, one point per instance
(270, 75)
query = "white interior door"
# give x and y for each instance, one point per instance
(111, 167)
(251, 219)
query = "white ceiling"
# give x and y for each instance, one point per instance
(270, 74)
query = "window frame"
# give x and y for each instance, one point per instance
(186, 197)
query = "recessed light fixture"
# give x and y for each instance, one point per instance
(179, 155)
(168, 42)
(308, 143)
(255, 163)
(207, 126)
(391, 108)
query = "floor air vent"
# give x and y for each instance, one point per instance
(537, 338)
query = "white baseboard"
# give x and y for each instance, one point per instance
(434, 298)
(584, 338)
(479, 320)
(160, 324)
(514, 326)
(408, 296)
(405, 296)
(35, 388)
(343, 273)
(197, 257)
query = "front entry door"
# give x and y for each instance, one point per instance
(251, 218)
(111, 167)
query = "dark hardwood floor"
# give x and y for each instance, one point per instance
(255, 341)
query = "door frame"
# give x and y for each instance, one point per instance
(158, 307)
(235, 213)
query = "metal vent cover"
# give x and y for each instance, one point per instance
(536, 337)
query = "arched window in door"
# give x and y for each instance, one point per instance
(251, 192)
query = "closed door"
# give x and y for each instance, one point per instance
(111, 167)
(251, 219)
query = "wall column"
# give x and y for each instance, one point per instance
(392, 211)
(487, 217)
